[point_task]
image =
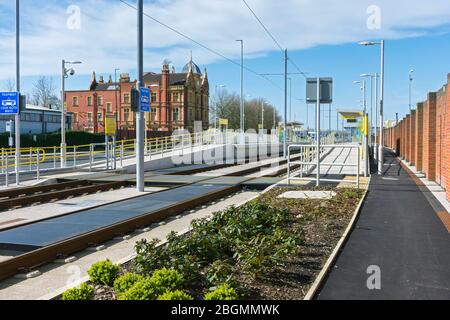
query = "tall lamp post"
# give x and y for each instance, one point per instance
(140, 185)
(380, 148)
(372, 77)
(17, 116)
(365, 141)
(410, 89)
(117, 102)
(242, 112)
(66, 72)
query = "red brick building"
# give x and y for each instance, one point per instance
(177, 101)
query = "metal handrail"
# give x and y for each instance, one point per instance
(310, 152)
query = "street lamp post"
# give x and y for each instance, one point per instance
(117, 103)
(372, 77)
(380, 148)
(140, 185)
(65, 74)
(242, 112)
(17, 116)
(410, 89)
(365, 141)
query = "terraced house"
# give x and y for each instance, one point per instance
(177, 101)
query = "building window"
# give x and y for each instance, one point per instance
(126, 98)
(176, 114)
(99, 116)
(126, 114)
(176, 97)
(89, 101)
(153, 114)
(109, 107)
(153, 98)
(89, 118)
(75, 101)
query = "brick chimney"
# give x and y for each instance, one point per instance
(165, 109)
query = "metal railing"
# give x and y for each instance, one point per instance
(99, 155)
(308, 162)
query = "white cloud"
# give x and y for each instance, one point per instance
(107, 38)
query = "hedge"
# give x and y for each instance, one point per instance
(54, 139)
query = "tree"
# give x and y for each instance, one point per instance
(43, 94)
(10, 85)
(227, 106)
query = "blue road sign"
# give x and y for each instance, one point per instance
(9, 102)
(144, 105)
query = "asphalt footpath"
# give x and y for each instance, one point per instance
(399, 248)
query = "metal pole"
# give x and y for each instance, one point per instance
(54, 157)
(375, 148)
(329, 118)
(290, 99)
(410, 85)
(75, 156)
(285, 104)
(117, 103)
(37, 165)
(107, 151)
(262, 117)
(371, 111)
(139, 115)
(380, 151)
(318, 134)
(63, 116)
(17, 116)
(365, 143)
(242, 106)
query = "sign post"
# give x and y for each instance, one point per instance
(319, 90)
(9, 103)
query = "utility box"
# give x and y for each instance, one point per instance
(326, 90)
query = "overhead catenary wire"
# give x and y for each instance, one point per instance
(272, 37)
(264, 27)
(215, 52)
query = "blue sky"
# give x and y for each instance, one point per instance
(321, 36)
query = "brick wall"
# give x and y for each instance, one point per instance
(418, 141)
(429, 132)
(423, 137)
(412, 138)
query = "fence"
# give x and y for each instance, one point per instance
(100, 155)
(310, 160)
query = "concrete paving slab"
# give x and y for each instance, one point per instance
(308, 195)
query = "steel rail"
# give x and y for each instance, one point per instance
(61, 194)
(43, 188)
(48, 254)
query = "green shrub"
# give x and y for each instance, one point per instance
(220, 272)
(166, 280)
(83, 292)
(141, 290)
(149, 288)
(175, 295)
(224, 292)
(103, 272)
(149, 257)
(126, 281)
